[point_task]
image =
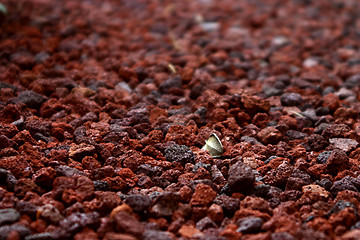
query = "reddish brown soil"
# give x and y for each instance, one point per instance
(105, 105)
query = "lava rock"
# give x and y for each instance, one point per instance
(282, 236)
(241, 177)
(339, 206)
(156, 234)
(173, 82)
(346, 183)
(323, 157)
(27, 208)
(76, 221)
(179, 153)
(205, 223)
(7, 179)
(165, 204)
(8, 216)
(335, 131)
(68, 171)
(138, 203)
(228, 204)
(345, 144)
(291, 99)
(101, 185)
(249, 224)
(203, 195)
(124, 222)
(337, 161)
(269, 135)
(21, 230)
(30, 98)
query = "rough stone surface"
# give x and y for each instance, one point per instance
(241, 177)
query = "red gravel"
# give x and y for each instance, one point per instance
(105, 105)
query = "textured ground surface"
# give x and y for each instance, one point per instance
(105, 105)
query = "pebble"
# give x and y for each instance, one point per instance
(27, 208)
(172, 82)
(316, 142)
(7, 179)
(335, 131)
(155, 234)
(344, 93)
(67, 171)
(241, 177)
(50, 213)
(228, 204)
(203, 195)
(291, 99)
(344, 144)
(282, 236)
(179, 153)
(352, 81)
(126, 223)
(77, 221)
(345, 183)
(325, 183)
(249, 224)
(323, 157)
(292, 134)
(8, 216)
(165, 204)
(188, 231)
(6, 230)
(341, 205)
(205, 223)
(44, 177)
(30, 98)
(138, 203)
(269, 135)
(337, 161)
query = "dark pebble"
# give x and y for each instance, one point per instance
(138, 203)
(30, 98)
(292, 134)
(173, 82)
(101, 185)
(291, 99)
(124, 222)
(323, 157)
(155, 234)
(7, 229)
(8, 216)
(165, 204)
(179, 153)
(356, 225)
(282, 236)
(352, 81)
(229, 204)
(241, 177)
(325, 183)
(249, 224)
(27, 208)
(77, 221)
(7, 179)
(346, 183)
(68, 171)
(149, 170)
(205, 223)
(321, 111)
(201, 165)
(341, 205)
(317, 142)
